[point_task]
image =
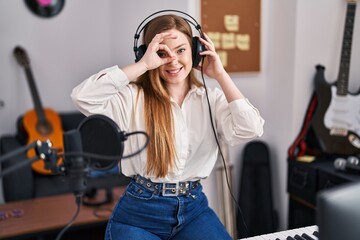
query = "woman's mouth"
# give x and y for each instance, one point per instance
(173, 71)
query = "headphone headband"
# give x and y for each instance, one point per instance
(194, 23)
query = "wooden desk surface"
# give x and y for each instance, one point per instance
(50, 213)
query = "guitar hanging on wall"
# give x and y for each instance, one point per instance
(336, 122)
(39, 123)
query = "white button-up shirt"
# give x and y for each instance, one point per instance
(109, 92)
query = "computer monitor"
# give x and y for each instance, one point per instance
(338, 214)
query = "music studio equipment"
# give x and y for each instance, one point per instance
(337, 217)
(197, 47)
(103, 137)
(306, 143)
(338, 212)
(97, 144)
(304, 233)
(75, 166)
(255, 191)
(94, 134)
(351, 164)
(39, 123)
(335, 121)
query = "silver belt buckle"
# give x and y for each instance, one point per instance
(172, 193)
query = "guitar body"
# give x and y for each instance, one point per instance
(329, 122)
(344, 113)
(37, 131)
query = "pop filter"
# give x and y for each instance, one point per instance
(101, 135)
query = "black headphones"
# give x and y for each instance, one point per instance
(197, 47)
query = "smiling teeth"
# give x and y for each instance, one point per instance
(174, 71)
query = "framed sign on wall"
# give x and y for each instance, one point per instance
(234, 27)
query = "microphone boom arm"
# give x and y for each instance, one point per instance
(43, 151)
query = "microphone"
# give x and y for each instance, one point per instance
(351, 164)
(102, 147)
(75, 166)
(97, 138)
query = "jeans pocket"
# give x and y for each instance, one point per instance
(138, 192)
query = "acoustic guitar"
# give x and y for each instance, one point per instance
(336, 122)
(39, 123)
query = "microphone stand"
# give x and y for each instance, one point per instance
(43, 151)
(74, 166)
(74, 163)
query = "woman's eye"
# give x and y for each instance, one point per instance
(161, 54)
(181, 50)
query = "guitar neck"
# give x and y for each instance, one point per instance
(35, 96)
(343, 78)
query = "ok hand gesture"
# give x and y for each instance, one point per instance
(151, 58)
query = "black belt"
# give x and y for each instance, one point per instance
(167, 189)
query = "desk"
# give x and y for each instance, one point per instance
(51, 214)
(305, 181)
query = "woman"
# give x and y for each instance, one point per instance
(160, 94)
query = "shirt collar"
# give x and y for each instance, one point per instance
(197, 90)
(193, 90)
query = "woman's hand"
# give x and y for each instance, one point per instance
(151, 59)
(212, 66)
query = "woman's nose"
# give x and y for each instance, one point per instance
(175, 60)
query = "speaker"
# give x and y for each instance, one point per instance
(197, 47)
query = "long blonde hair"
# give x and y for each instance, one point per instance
(161, 151)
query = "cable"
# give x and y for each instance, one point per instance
(141, 149)
(106, 157)
(221, 153)
(78, 203)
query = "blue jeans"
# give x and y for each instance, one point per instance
(140, 214)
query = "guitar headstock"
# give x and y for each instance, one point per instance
(21, 57)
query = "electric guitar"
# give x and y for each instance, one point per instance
(336, 122)
(39, 123)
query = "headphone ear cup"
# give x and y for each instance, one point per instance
(139, 53)
(197, 48)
